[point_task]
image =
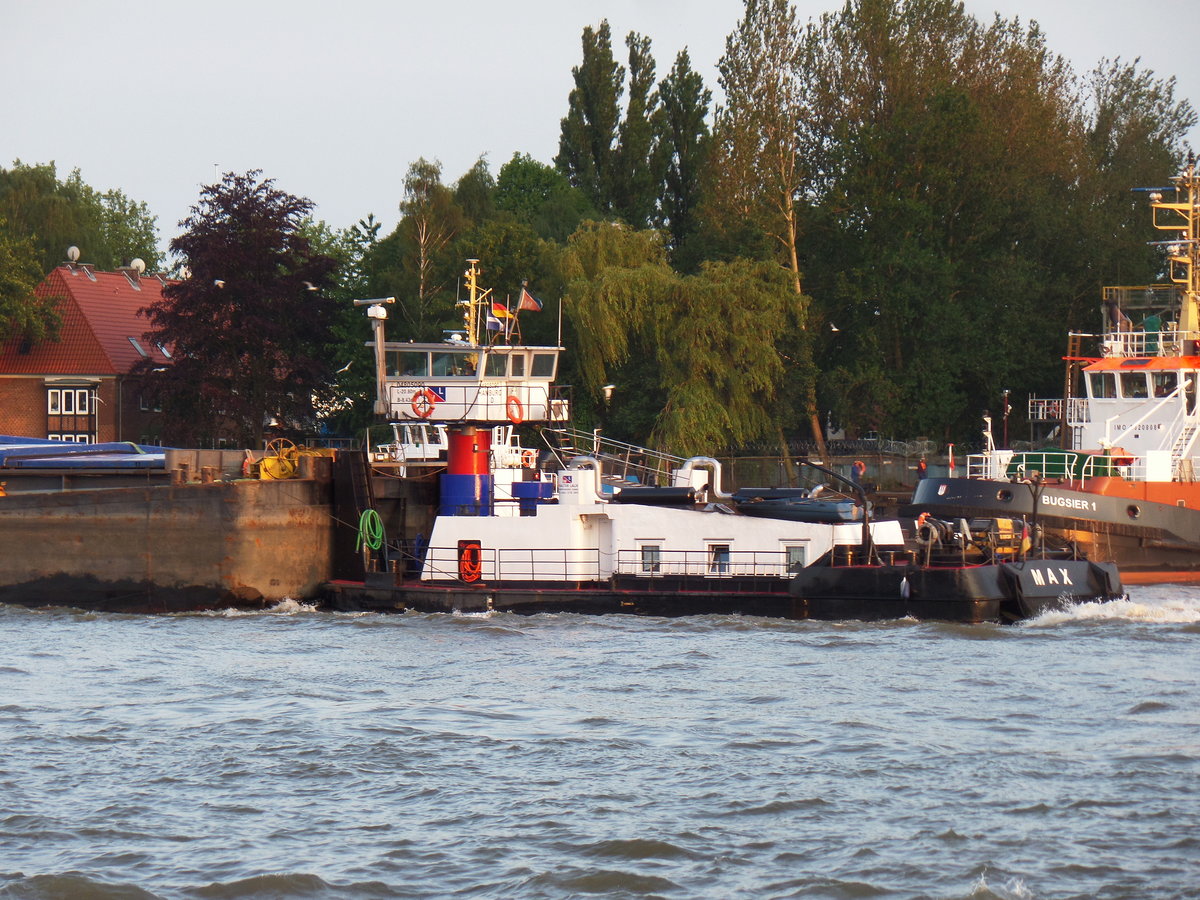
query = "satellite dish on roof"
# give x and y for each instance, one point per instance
(138, 264)
(73, 253)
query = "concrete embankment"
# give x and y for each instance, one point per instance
(169, 547)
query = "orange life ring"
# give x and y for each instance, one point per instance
(528, 458)
(423, 402)
(516, 414)
(469, 563)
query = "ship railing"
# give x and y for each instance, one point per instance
(621, 460)
(1169, 340)
(584, 565)
(1047, 409)
(710, 563)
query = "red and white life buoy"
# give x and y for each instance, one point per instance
(512, 406)
(423, 402)
(529, 458)
(470, 563)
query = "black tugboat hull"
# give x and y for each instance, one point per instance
(1003, 592)
(1148, 541)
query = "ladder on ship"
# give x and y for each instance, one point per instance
(1181, 452)
(1074, 365)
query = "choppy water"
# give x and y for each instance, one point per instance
(304, 754)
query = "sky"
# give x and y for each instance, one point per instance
(334, 100)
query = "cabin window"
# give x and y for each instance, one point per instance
(406, 363)
(718, 559)
(651, 559)
(518, 365)
(1164, 383)
(543, 365)
(496, 365)
(456, 363)
(1133, 385)
(797, 557)
(1104, 385)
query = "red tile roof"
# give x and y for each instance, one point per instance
(98, 318)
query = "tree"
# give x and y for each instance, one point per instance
(942, 160)
(23, 315)
(638, 177)
(431, 221)
(757, 176)
(757, 173)
(109, 228)
(682, 148)
(587, 145)
(540, 196)
(247, 331)
(698, 360)
(475, 193)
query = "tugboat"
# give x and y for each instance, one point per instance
(982, 570)
(1124, 486)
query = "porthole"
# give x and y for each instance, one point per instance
(1134, 510)
(1004, 495)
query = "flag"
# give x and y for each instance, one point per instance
(500, 311)
(493, 324)
(528, 302)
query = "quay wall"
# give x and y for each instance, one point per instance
(168, 547)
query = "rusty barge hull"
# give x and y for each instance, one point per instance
(168, 548)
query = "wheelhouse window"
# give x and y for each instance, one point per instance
(1164, 383)
(543, 365)
(454, 363)
(1133, 385)
(1104, 385)
(517, 368)
(496, 365)
(406, 363)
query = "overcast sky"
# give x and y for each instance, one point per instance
(334, 99)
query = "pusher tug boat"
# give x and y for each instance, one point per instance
(1124, 487)
(532, 537)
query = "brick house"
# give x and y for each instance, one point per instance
(78, 387)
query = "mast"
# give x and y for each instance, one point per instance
(1181, 214)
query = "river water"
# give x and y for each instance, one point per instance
(305, 754)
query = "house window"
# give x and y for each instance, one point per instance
(651, 559)
(139, 348)
(54, 401)
(81, 401)
(718, 559)
(68, 403)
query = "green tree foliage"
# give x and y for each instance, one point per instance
(757, 177)
(638, 176)
(705, 350)
(249, 336)
(1134, 138)
(541, 197)
(588, 141)
(682, 149)
(345, 404)
(942, 156)
(23, 315)
(109, 228)
(475, 193)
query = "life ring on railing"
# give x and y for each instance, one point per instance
(529, 458)
(423, 402)
(470, 564)
(512, 406)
